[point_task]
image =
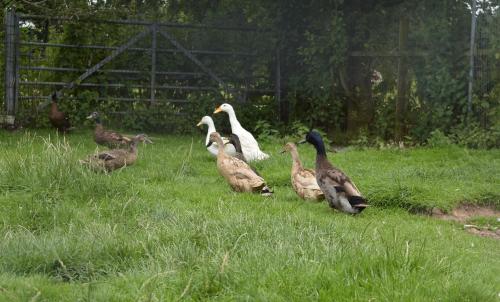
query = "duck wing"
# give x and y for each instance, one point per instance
(250, 147)
(106, 156)
(344, 185)
(241, 157)
(240, 170)
(117, 137)
(342, 182)
(112, 154)
(306, 178)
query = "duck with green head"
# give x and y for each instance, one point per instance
(341, 193)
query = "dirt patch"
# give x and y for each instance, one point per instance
(465, 212)
(483, 232)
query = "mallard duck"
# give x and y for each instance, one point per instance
(249, 145)
(237, 173)
(117, 158)
(107, 138)
(341, 193)
(303, 180)
(57, 118)
(213, 149)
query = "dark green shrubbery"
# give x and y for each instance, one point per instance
(329, 54)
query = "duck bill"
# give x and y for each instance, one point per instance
(283, 151)
(302, 142)
(209, 144)
(199, 124)
(90, 117)
(218, 110)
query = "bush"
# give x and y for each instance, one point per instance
(438, 139)
(473, 136)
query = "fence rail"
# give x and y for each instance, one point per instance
(193, 51)
(25, 17)
(26, 59)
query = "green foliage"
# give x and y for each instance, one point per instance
(328, 52)
(438, 139)
(474, 136)
(265, 131)
(316, 101)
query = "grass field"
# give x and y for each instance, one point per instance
(169, 228)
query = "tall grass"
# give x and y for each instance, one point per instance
(169, 227)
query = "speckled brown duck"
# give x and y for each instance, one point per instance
(117, 158)
(108, 138)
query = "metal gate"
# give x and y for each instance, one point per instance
(157, 63)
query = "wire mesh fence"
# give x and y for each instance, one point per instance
(132, 64)
(390, 68)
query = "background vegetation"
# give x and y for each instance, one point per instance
(328, 49)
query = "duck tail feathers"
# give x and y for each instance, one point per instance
(358, 202)
(265, 191)
(263, 156)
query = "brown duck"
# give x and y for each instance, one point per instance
(115, 159)
(341, 193)
(237, 173)
(105, 137)
(303, 180)
(57, 118)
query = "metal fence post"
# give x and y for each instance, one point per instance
(281, 110)
(471, 59)
(11, 64)
(154, 29)
(402, 83)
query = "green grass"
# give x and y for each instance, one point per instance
(169, 228)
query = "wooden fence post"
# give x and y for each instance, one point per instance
(402, 84)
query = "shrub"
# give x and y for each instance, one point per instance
(438, 139)
(474, 136)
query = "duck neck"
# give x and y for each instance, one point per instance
(97, 120)
(220, 146)
(211, 129)
(133, 147)
(235, 124)
(320, 153)
(53, 107)
(98, 124)
(296, 165)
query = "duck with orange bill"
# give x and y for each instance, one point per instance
(213, 149)
(249, 145)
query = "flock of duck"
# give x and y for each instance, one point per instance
(233, 154)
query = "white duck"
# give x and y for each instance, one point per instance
(249, 145)
(214, 149)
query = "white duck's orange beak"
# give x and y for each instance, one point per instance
(218, 110)
(199, 124)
